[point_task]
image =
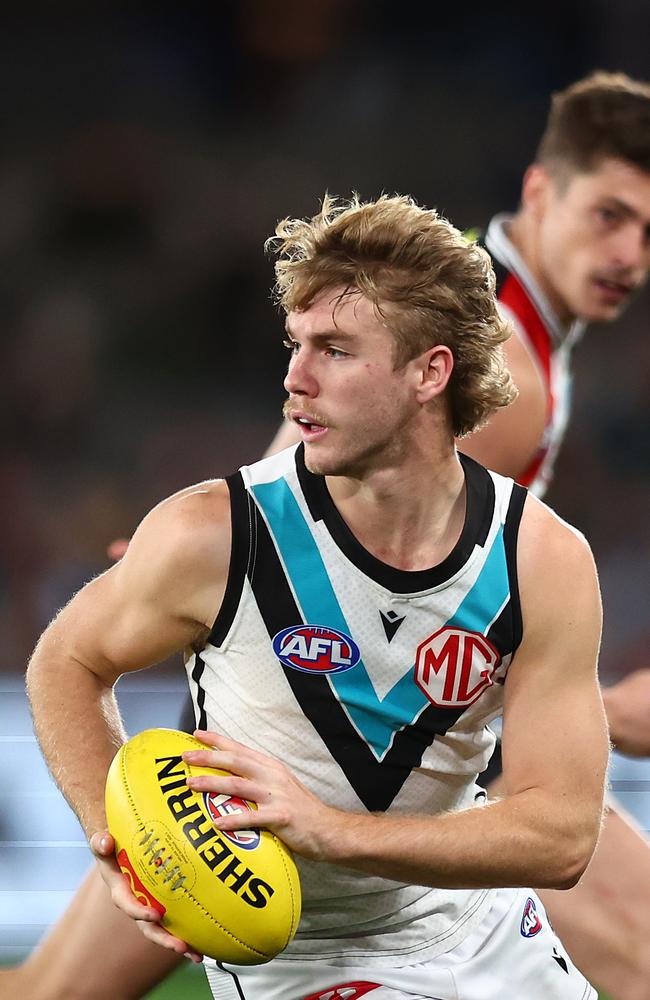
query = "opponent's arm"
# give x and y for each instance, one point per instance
(544, 831)
(510, 439)
(627, 704)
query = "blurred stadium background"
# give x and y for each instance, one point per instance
(146, 154)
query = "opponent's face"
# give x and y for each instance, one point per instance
(593, 239)
(352, 407)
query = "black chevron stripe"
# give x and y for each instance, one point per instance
(376, 783)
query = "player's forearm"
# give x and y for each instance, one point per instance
(519, 841)
(78, 726)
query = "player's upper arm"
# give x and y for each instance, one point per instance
(161, 597)
(510, 439)
(554, 729)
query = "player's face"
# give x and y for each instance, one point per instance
(594, 240)
(352, 407)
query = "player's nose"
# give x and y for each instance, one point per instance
(630, 248)
(300, 380)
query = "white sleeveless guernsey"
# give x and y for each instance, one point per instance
(376, 686)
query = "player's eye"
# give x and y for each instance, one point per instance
(608, 215)
(291, 345)
(335, 352)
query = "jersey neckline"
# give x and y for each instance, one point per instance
(503, 250)
(479, 510)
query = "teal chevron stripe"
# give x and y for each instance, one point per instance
(376, 719)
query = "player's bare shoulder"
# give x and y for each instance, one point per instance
(555, 567)
(545, 535)
(181, 550)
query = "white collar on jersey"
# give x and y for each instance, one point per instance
(503, 249)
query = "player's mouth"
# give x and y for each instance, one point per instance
(614, 292)
(310, 428)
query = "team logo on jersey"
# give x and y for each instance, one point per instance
(530, 922)
(455, 666)
(391, 622)
(218, 805)
(316, 649)
(347, 991)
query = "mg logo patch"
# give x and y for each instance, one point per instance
(453, 667)
(316, 649)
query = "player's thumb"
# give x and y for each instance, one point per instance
(102, 844)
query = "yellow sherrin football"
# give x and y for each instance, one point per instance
(234, 896)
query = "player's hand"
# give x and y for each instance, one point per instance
(285, 806)
(628, 712)
(146, 917)
(117, 548)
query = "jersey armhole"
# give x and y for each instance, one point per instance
(240, 520)
(510, 536)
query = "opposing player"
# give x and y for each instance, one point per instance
(432, 588)
(576, 251)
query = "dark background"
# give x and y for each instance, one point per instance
(146, 153)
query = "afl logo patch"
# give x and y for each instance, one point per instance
(530, 922)
(218, 806)
(316, 649)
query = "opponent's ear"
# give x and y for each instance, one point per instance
(535, 189)
(434, 372)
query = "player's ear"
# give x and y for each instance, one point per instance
(434, 372)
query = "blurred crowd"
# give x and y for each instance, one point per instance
(145, 159)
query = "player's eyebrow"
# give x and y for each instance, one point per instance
(325, 336)
(622, 206)
(628, 211)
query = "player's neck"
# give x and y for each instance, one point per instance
(522, 232)
(410, 516)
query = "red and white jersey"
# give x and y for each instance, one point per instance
(549, 341)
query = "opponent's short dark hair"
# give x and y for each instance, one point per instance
(604, 115)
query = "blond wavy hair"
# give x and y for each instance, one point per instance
(426, 282)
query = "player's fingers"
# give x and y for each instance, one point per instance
(224, 744)
(121, 892)
(232, 756)
(124, 899)
(157, 934)
(243, 788)
(162, 937)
